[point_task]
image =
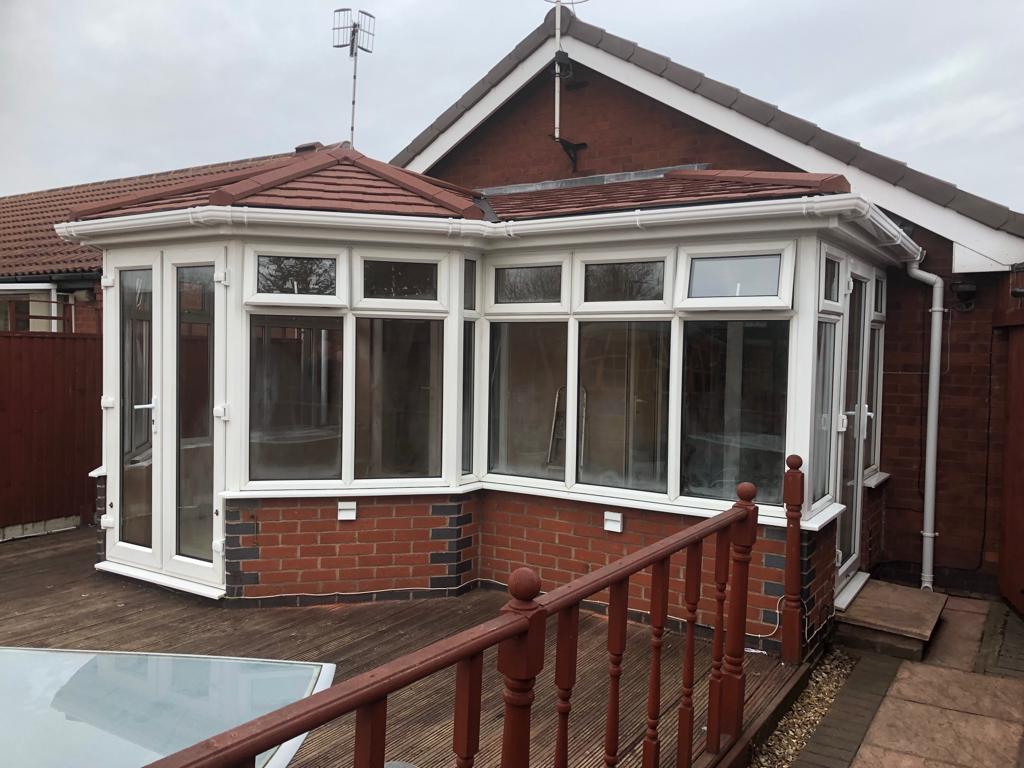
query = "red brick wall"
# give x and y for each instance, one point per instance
(971, 422)
(818, 571)
(624, 131)
(872, 528)
(88, 311)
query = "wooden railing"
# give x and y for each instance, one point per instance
(519, 634)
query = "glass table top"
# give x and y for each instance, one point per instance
(86, 708)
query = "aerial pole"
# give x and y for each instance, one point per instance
(356, 35)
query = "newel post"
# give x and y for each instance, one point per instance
(793, 496)
(744, 534)
(520, 660)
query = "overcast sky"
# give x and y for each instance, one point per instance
(97, 89)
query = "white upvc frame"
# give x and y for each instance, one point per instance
(784, 249)
(619, 255)
(548, 259)
(873, 450)
(879, 290)
(839, 257)
(250, 271)
(28, 288)
(478, 341)
(440, 259)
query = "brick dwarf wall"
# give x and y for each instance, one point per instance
(817, 583)
(624, 131)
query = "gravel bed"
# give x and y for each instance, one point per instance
(795, 728)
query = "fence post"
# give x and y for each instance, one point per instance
(733, 680)
(793, 495)
(520, 660)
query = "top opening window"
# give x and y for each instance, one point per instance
(830, 290)
(624, 281)
(414, 280)
(751, 276)
(469, 285)
(528, 285)
(297, 275)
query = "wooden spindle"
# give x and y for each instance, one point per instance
(733, 679)
(565, 678)
(691, 597)
(659, 612)
(793, 495)
(520, 660)
(618, 602)
(371, 729)
(468, 687)
(722, 543)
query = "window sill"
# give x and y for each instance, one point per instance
(876, 479)
(822, 517)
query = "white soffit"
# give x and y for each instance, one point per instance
(982, 248)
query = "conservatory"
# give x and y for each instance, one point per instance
(334, 329)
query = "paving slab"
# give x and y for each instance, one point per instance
(945, 735)
(957, 640)
(988, 696)
(969, 604)
(895, 609)
(874, 757)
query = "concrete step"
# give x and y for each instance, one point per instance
(890, 619)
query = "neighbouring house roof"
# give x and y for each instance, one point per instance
(28, 243)
(336, 178)
(674, 188)
(895, 172)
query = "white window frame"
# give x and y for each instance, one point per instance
(439, 258)
(479, 342)
(581, 259)
(784, 249)
(561, 259)
(250, 270)
(873, 461)
(837, 362)
(879, 285)
(830, 253)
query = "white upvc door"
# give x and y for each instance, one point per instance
(133, 416)
(853, 416)
(195, 411)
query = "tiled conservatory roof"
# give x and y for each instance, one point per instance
(337, 178)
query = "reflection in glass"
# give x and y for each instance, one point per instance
(398, 397)
(195, 412)
(468, 383)
(879, 296)
(850, 478)
(527, 285)
(831, 280)
(469, 285)
(624, 281)
(136, 513)
(296, 275)
(400, 280)
(821, 439)
(734, 407)
(722, 277)
(623, 404)
(526, 423)
(872, 400)
(295, 398)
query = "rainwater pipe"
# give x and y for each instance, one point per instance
(928, 533)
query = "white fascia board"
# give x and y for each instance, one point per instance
(999, 248)
(22, 287)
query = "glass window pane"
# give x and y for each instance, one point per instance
(821, 439)
(297, 275)
(526, 424)
(398, 397)
(625, 281)
(136, 526)
(527, 285)
(469, 285)
(734, 276)
(831, 289)
(195, 412)
(879, 296)
(400, 280)
(295, 398)
(623, 404)
(468, 383)
(734, 407)
(871, 417)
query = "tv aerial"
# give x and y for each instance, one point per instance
(356, 33)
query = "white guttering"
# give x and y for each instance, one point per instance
(849, 208)
(928, 533)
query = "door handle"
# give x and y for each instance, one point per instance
(152, 407)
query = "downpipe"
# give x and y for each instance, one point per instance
(928, 532)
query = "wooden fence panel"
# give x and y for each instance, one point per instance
(50, 429)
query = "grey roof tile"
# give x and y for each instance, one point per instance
(879, 165)
(578, 29)
(928, 187)
(683, 76)
(617, 46)
(718, 92)
(649, 60)
(980, 209)
(755, 109)
(842, 149)
(793, 126)
(1015, 224)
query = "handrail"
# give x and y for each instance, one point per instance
(267, 731)
(595, 581)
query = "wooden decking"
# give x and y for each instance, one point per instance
(51, 597)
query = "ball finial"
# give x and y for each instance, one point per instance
(524, 584)
(746, 491)
(794, 462)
